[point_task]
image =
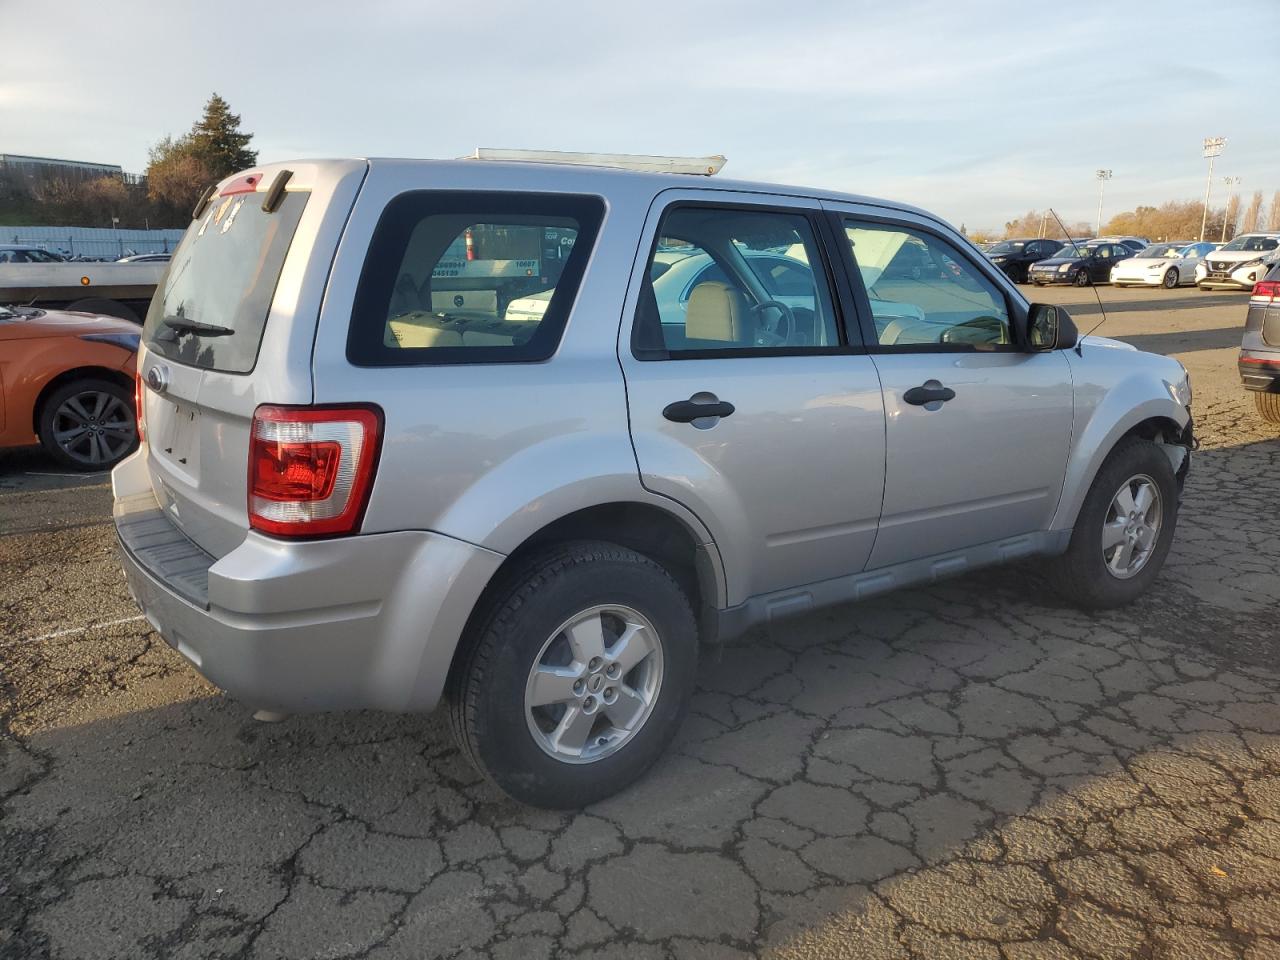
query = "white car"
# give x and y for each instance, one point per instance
(1239, 264)
(1166, 265)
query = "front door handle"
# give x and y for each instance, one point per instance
(931, 391)
(687, 411)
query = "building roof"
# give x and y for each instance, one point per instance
(17, 158)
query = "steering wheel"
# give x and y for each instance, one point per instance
(778, 333)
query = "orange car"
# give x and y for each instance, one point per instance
(67, 380)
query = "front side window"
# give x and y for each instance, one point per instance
(471, 277)
(924, 293)
(736, 280)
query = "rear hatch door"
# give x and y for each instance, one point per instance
(231, 327)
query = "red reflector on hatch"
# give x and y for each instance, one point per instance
(245, 184)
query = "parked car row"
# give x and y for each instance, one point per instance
(23, 253)
(1132, 261)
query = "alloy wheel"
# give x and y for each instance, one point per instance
(1131, 528)
(594, 683)
(94, 428)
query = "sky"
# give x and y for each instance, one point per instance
(978, 111)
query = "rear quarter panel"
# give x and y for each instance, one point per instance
(27, 366)
(491, 453)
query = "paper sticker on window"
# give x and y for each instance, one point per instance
(231, 217)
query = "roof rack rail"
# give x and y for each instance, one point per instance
(703, 166)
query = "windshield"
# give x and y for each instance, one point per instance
(1161, 251)
(1008, 246)
(1251, 244)
(1071, 252)
(223, 275)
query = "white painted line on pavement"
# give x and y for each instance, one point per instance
(70, 631)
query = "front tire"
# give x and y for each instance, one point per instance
(576, 675)
(1082, 278)
(1268, 405)
(1124, 530)
(1170, 279)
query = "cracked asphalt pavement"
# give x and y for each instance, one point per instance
(970, 770)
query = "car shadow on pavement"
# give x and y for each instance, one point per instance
(1195, 299)
(1185, 341)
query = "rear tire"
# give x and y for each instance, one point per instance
(527, 633)
(1083, 575)
(1171, 279)
(1268, 405)
(88, 424)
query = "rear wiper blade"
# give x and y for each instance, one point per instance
(196, 328)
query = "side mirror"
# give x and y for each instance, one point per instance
(1050, 327)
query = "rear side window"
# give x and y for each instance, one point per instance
(455, 277)
(211, 308)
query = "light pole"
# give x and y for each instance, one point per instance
(1103, 176)
(1227, 182)
(1212, 148)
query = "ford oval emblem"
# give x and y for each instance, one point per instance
(158, 378)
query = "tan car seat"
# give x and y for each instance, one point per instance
(718, 312)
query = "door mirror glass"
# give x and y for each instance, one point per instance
(1050, 327)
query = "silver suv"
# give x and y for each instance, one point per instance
(366, 481)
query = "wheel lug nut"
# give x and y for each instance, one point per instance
(613, 671)
(589, 704)
(594, 664)
(579, 686)
(610, 694)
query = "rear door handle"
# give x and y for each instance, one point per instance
(687, 411)
(931, 391)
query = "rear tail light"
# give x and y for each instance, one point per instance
(139, 412)
(1267, 290)
(311, 469)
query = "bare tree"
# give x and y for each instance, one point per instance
(1233, 215)
(1273, 221)
(1252, 214)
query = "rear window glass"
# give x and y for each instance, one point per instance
(211, 308)
(471, 277)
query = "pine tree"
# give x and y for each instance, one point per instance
(217, 140)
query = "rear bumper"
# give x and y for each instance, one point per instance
(356, 622)
(1260, 373)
